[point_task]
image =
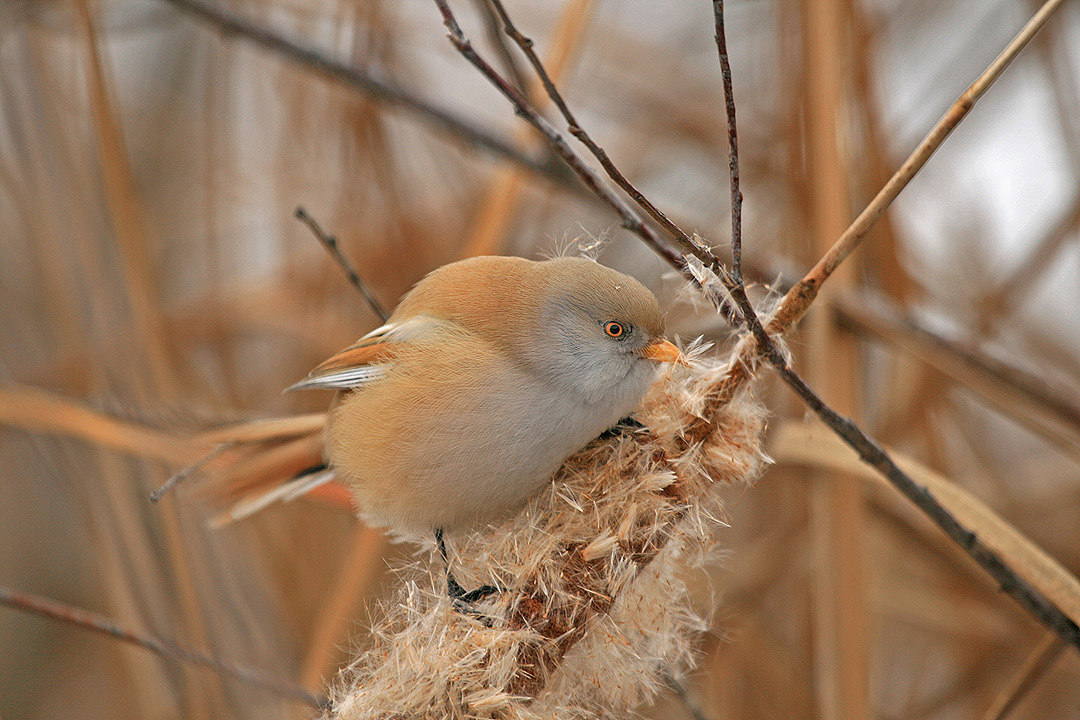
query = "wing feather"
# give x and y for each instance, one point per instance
(369, 358)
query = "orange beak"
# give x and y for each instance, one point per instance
(663, 351)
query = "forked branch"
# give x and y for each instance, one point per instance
(525, 43)
(524, 109)
(869, 450)
(799, 298)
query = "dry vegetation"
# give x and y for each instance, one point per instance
(156, 289)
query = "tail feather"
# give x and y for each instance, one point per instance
(259, 463)
(285, 492)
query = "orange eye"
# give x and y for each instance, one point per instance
(614, 329)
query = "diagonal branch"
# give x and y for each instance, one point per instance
(799, 298)
(523, 109)
(54, 610)
(870, 452)
(630, 220)
(372, 83)
(494, 32)
(526, 44)
(330, 243)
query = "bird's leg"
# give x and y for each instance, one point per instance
(453, 588)
(627, 424)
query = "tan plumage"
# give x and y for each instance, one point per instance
(488, 375)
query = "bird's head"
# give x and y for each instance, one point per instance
(599, 333)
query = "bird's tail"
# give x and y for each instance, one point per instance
(254, 464)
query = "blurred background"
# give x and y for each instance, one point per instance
(154, 283)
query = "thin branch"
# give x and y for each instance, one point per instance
(331, 244)
(798, 300)
(734, 281)
(526, 44)
(524, 109)
(374, 84)
(491, 26)
(54, 610)
(733, 144)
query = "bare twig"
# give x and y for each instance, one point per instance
(491, 25)
(734, 281)
(733, 145)
(630, 220)
(370, 82)
(496, 211)
(54, 610)
(798, 300)
(330, 243)
(526, 44)
(188, 471)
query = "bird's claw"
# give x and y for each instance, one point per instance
(627, 424)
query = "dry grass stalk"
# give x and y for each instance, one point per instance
(126, 213)
(38, 411)
(840, 604)
(594, 612)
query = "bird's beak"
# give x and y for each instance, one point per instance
(663, 351)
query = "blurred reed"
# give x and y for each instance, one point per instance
(155, 285)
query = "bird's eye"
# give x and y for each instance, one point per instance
(614, 329)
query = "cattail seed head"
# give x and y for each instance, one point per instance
(594, 613)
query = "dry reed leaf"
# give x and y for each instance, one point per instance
(38, 411)
(1047, 411)
(125, 210)
(813, 445)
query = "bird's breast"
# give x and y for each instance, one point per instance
(437, 446)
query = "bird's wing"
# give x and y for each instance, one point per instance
(370, 357)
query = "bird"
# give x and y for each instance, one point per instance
(488, 375)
